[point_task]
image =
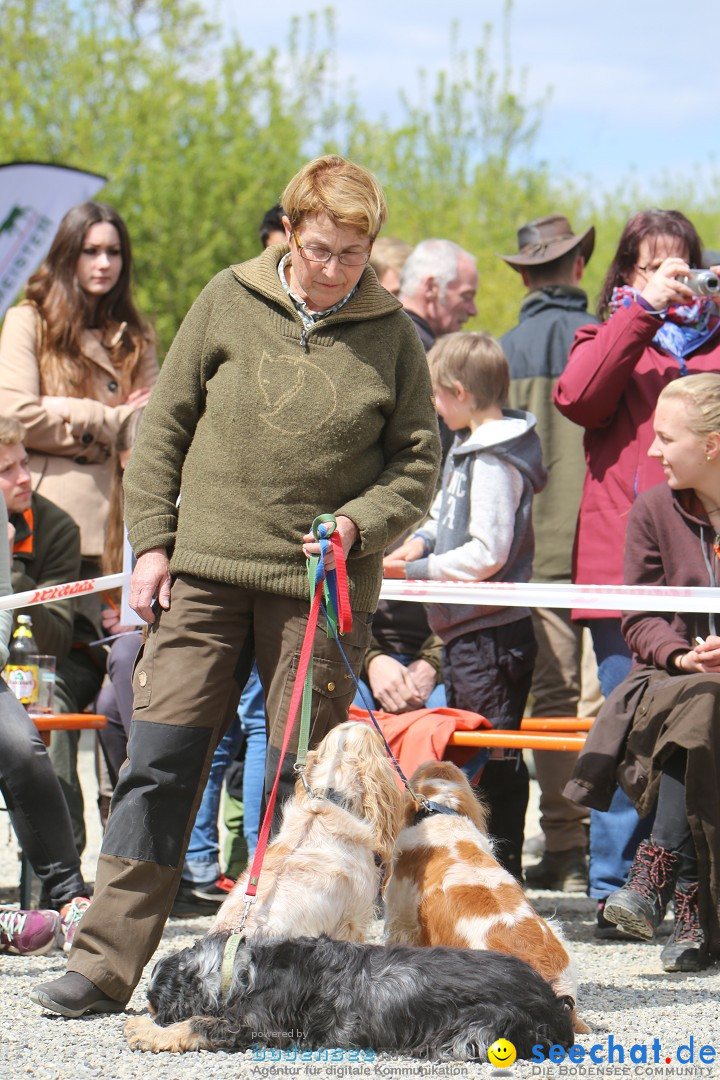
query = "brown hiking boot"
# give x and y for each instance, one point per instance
(563, 871)
(687, 948)
(639, 907)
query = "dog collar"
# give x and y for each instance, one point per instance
(329, 793)
(429, 809)
(228, 962)
(333, 796)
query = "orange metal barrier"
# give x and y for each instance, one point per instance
(536, 733)
(48, 722)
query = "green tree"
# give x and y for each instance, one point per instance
(197, 137)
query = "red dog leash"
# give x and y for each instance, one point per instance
(325, 530)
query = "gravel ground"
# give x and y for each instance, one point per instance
(624, 994)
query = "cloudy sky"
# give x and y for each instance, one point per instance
(634, 86)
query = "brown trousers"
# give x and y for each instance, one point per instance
(560, 687)
(187, 684)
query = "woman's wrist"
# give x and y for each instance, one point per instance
(679, 660)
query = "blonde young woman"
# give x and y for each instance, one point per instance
(76, 359)
(657, 734)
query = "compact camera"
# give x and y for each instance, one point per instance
(702, 282)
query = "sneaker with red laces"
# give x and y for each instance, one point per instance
(28, 933)
(70, 915)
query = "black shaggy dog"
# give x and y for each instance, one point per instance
(318, 993)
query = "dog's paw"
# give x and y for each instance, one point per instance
(579, 1026)
(142, 1033)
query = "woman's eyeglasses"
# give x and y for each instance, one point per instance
(322, 255)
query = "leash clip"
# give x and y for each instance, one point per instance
(308, 790)
(249, 901)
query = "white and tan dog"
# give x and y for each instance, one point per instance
(322, 872)
(447, 887)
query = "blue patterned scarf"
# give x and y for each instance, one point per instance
(684, 327)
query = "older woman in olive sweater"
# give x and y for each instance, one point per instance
(295, 386)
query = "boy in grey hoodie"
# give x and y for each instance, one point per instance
(480, 529)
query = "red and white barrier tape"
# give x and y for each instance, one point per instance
(49, 593)
(551, 595)
(502, 594)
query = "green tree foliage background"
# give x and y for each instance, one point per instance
(198, 137)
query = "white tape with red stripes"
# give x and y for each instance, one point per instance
(552, 595)
(503, 594)
(49, 593)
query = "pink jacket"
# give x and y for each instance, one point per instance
(610, 386)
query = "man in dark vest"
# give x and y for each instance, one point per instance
(551, 260)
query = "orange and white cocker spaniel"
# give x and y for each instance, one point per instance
(447, 887)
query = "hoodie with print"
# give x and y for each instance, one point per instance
(480, 525)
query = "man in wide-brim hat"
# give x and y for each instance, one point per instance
(551, 259)
(549, 238)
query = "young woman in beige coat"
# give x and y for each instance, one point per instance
(76, 359)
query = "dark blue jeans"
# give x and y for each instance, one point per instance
(616, 832)
(36, 804)
(489, 671)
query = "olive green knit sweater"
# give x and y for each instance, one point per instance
(261, 427)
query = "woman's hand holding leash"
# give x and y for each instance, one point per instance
(348, 533)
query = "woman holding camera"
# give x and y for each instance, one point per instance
(655, 330)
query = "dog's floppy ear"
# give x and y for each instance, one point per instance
(409, 810)
(382, 799)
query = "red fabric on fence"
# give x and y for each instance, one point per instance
(422, 734)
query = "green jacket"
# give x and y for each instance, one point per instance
(537, 351)
(47, 552)
(265, 425)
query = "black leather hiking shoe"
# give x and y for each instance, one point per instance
(604, 930)
(639, 907)
(687, 948)
(73, 995)
(564, 871)
(193, 900)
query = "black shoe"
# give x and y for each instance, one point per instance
(639, 907)
(193, 900)
(217, 891)
(563, 871)
(73, 995)
(687, 948)
(605, 930)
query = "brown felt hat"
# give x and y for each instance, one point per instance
(549, 238)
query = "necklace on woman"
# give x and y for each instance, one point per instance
(716, 542)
